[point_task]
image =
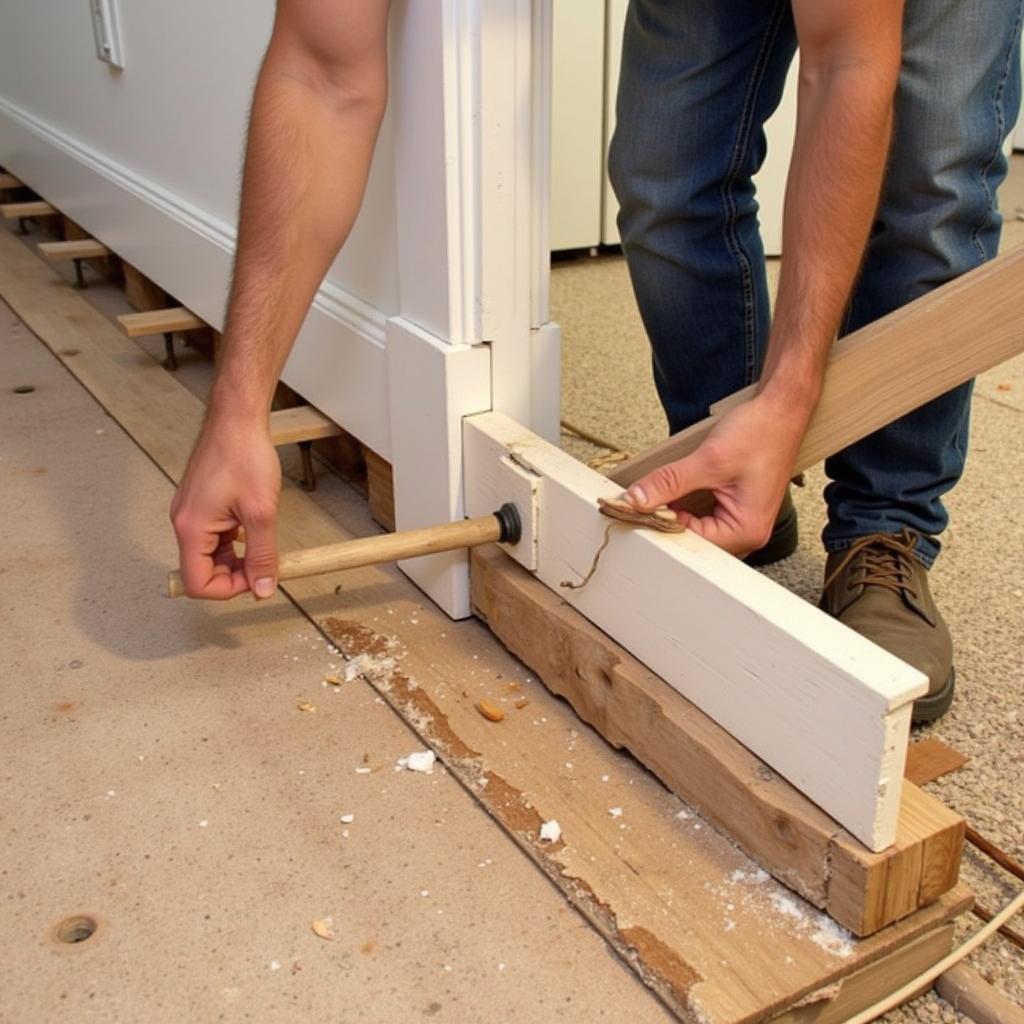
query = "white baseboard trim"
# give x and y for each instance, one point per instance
(339, 362)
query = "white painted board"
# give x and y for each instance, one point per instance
(826, 708)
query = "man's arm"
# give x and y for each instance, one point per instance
(316, 111)
(849, 66)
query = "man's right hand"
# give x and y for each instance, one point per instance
(233, 480)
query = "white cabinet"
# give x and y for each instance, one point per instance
(587, 52)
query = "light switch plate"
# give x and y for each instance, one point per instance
(106, 27)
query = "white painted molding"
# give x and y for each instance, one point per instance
(338, 363)
(826, 708)
(433, 386)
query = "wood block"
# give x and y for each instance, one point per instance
(930, 759)
(380, 489)
(32, 208)
(819, 703)
(142, 293)
(8, 181)
(74, 249)
(159, 321)
(768, 818)
(301, 423)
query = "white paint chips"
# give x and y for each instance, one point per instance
(550, 831)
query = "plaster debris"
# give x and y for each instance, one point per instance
(203, 823)
(275, 965)
(521, 703)
(363, 770)
(604, 778)
(304, 705)
(424, 892)
(419, 761)
(324, 927)
(550, 831)
(347, 819)
(615, 812)
(333, 680)
(344, 833)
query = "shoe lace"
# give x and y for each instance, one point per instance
(885, 560)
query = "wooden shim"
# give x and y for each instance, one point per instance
(970, 994)
(75, 249)
(159, 321)
(892, 366)
(698, 760)
(822, 705)
(865, 987)
(300, 423)
(930, 759)
(32, 208)
(623, 881)
(8, 181)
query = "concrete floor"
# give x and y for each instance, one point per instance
(159, 775)
(978, 580)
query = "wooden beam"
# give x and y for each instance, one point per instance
(698, 760)
(9, 181)
(159, 321)
(301, 423)
(75, 249)
(892, 366)
(825, 707)
(32, 208)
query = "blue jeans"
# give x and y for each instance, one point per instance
(699, 80)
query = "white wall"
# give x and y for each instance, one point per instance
(176, 115)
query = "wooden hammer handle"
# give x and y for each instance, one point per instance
(389, 547)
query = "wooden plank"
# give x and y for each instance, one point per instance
(893, 365)
(676, 900)
(866, 986)
(929, 759)
(823, 706)
(31, 208)
(74, 249)
(8, 181)
(970, 994)
(697, 759)
(300, 423)
(159, 321)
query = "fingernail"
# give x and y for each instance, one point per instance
(637, 495)
(264, 586)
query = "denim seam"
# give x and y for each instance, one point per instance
(1000, 120)
(729, 233)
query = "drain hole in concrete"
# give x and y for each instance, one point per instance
(76, 929)
(23, 389)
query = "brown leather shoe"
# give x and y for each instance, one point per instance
(783, 540)
(879, 588)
